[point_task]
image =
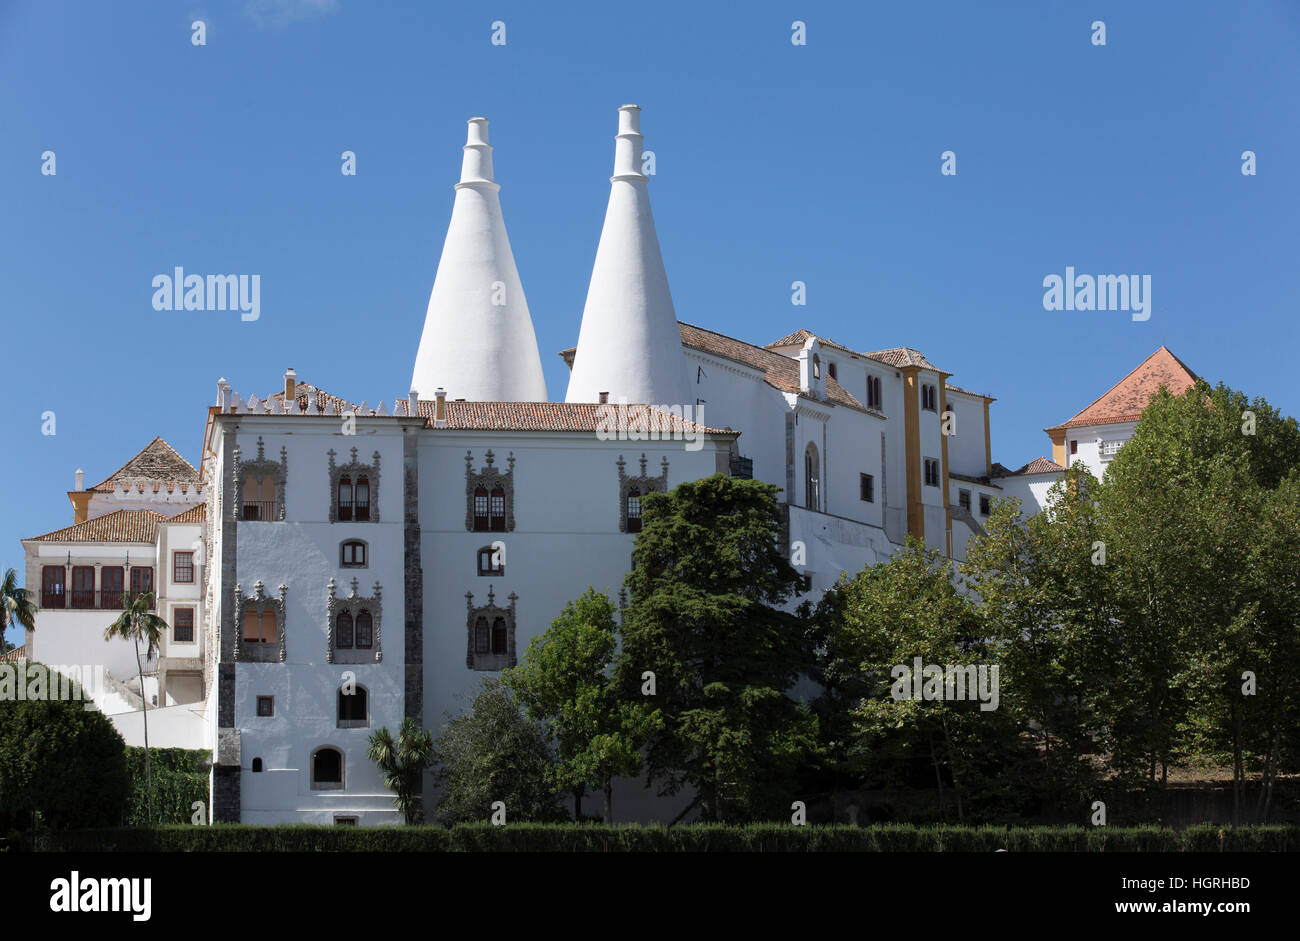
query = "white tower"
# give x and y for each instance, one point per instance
(478, 341)
(629, 345)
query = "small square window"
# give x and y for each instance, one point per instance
(341, 821)
(604, 398)
(1074, 446)
(984, 504)
(265, 706)
(963, 498)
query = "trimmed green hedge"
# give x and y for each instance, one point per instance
(532, 837)
(180, 777)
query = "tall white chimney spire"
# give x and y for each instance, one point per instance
(478, 341)
(629, 345)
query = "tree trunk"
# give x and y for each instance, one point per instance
(577, 802)
(609, 800)
(952, 764)
(144, 718)
(938, 778)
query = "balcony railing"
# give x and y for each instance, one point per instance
(84, 600)
(260, 510)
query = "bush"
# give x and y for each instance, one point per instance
(571, 837)
(180, 777)
(61, 765)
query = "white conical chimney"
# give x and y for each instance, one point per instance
(478, 341)
(629, 345)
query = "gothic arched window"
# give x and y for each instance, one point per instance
(812, 478)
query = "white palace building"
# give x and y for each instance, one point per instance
(412, 549)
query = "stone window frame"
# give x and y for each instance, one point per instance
(352, 723)
(352, 469)
(341, 784)
(643, 483)
(490, 662)
(489, 477)
(261, 467)
(258, 652)
(353, 604)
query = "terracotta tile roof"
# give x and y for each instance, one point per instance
(323, 399)
(195, 514)
(121, 526)
(801, 336)
(1039, 465)
(157, 461)
(978, 395)
(1125, 400)
(898, 356)
(982, 479)
(903, 356)
(780, 372)
(540, 416)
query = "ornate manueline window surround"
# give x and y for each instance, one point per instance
(260, 603)
(354, 607)
(352, 470)
(486, 647)
(256, 508)
(641, 485)
(495, 495)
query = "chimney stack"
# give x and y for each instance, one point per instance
(81, 479)
(440, 408)
(290, 385)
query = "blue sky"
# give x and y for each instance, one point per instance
(775, 163)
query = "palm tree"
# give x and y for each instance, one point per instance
(403, 763)
(16, 607)
(138, 622)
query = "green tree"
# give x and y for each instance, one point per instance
(912, 606)
(403, 762)
(1043, 588)
(708, 585)
(1196, 505)
(16, 606)
(564, 681)
(493, 753)
(61, 765)
(138, 622)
